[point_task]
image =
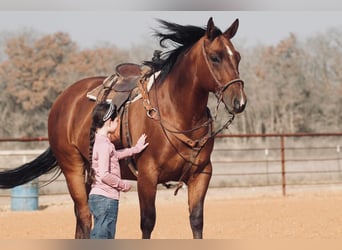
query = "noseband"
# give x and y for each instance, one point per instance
(220, 90)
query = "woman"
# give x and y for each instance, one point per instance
(105, 171)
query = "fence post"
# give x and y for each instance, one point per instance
(283, 175)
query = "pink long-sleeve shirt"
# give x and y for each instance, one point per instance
(105, 162)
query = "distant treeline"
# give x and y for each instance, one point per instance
(35, 69)
(294, 86)
(291, 87)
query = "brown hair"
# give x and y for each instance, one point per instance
(98, 114)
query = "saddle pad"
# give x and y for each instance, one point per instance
(149, 85)
(98, 92)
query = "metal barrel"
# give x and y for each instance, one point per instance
(25, 197)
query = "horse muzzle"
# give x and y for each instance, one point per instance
(235, 106)
(235, 99)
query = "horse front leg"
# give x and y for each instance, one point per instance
(197, 189)
(147, 196)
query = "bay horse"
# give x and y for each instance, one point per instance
(178, 125)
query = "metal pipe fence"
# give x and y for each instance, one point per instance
(245, 160)
(290, 160)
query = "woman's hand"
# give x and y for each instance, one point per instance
(141, 144)
(124, 186)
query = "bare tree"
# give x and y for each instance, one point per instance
(325, 75)
(37, 69)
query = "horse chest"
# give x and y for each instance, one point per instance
(181, 155)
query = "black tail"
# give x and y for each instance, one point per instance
(29, 171)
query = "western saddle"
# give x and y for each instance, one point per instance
(120, 86)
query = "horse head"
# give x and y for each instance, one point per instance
(222, 61)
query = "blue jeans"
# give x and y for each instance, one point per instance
(105, 212)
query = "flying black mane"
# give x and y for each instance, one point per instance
(181, 38)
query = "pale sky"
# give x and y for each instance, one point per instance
(126, 28)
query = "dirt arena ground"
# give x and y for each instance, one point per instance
(303, 215)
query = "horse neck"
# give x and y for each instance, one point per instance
(183, 95)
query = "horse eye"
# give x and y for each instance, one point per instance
(215, 58)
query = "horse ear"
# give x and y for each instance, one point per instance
(210, 29)
(231, 31)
